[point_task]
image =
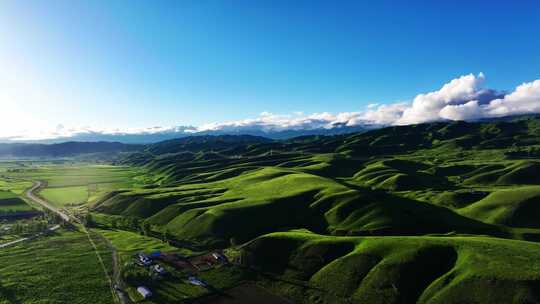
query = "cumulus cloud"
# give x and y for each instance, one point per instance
(384, 114)
(269, 122)
(427, 107)
(468, 111)
(463, 98)
(524, 100)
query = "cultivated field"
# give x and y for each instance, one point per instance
(59, 269)
(70, 183)
(12, 203)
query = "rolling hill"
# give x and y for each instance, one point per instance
(396, 215)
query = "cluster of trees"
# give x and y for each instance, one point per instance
(530, 151)
(52, 217)
(140, 226)
(26, 227)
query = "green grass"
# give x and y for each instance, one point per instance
(430, 213)
(399, 270)
(128, 243)
(67, 182)
(15, 186)
(67, 175)
(11, 203)
(66, 195)
(221, 211)
(58, 269)
(515, 207)
(173, 288)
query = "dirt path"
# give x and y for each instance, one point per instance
(36, 199)
(116, 294)
(117, 276)
(15, 242)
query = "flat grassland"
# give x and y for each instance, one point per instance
(59, 269)
(72, 183)
(66, 195)
(15, 186)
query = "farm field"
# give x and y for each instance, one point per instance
(62, 196)
(58, 269)
(14, 186)
(70, 183)
(12, 203)
(174, 286)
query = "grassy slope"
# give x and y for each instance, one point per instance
(457, 192)
(402, 270)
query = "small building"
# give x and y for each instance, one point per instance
(155, 254)
(196, 281)
(144, 291)
(159, 269)
(143, 259)
(220, 257)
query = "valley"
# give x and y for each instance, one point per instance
(430, 213)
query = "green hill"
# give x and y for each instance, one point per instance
(399, 270)
(434, 213)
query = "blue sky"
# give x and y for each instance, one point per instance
(135, 64)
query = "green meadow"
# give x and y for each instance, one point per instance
(61, 196)
(431, 213)
(173, 288)
(57, 269)
(11, 203)
(72, 183)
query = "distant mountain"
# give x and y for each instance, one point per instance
(290, 133)
(182, 132)
(206, 143)
(157, 134)
(64, 149)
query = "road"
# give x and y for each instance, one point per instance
(30, 194)
(120, 291)
(121, 295)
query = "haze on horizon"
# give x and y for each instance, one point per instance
(70, 67)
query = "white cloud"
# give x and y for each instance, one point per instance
(270, 122)
(384, 114)
(525, 99)
(80, 132)
(462, 98)
(468, 111)
(427, 107)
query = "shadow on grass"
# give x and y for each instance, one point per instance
(8, 295)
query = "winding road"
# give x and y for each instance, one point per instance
(122, 296)
(30, 195)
